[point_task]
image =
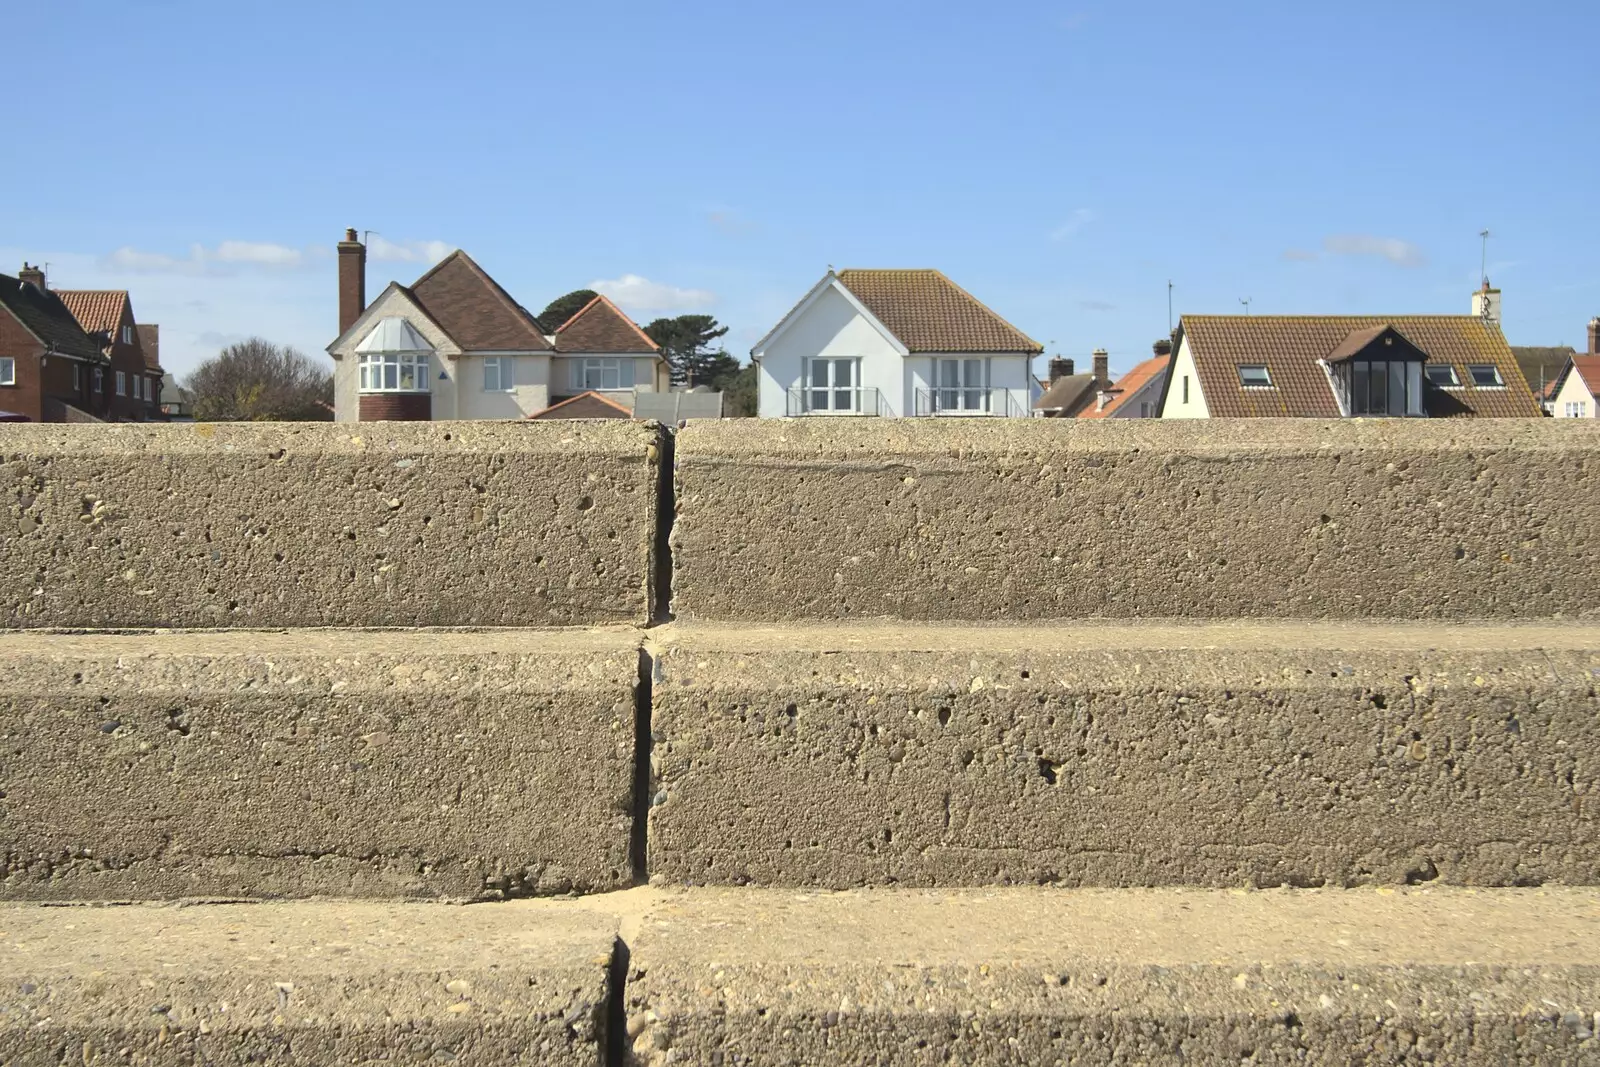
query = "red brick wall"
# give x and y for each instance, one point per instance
(20, 345)
(396, 407)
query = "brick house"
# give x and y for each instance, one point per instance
(455, 345)
(50, 369)
(133, 386)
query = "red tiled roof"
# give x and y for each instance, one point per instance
(473, 310)
(600, 326)
(930, 313)
(1129, 384)
(1289, 346)
(1588, 370)
(589, 405)
(97, 310)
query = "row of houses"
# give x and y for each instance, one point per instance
(75, 355)
(912, 343)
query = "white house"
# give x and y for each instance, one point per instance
(893, 343)
(455, 345)
(1577, 391)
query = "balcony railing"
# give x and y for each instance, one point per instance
(999, 403)
(863, 400)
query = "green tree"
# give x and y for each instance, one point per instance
(686, 343)
(739, 393)
(563, 308)
(258, 381)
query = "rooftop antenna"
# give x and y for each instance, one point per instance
(1483, 264)
(1245, 300)
(1169, 307)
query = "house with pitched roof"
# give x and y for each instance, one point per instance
(1337, 366)
(50, 369)
(1137, 394)
(455, 345)
(1575, 394)
(893, 343)
(132, 390)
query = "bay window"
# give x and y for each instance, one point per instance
(394, 372)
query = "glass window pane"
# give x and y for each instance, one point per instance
(1413, 388)
(819, 400)
(949, 372)
(844, 400)
(1397, 387)
(1380, 389)
(972, 373)
(391, 375)
(819, 372)
(843, 371)
(1358, 388)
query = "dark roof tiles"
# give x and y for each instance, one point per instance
(47, 318)
(930, 313)
(474, 311)
(600, 326)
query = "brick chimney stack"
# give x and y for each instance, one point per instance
(1594, 337)
(1102, 368)
(352, 280)
(1162, 347)
(1060, 368)
(30, 275)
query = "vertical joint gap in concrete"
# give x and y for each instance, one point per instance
(666, 515)
(614, 1024)
(638, 833)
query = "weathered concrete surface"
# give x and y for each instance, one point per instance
(1275, 753)
(1012, 519)
(458, 524)
(423, 764)
(1126, 976)
(312, 984)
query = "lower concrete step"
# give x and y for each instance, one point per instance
(1220, 754)
(316, 763)
(305, 984)
(1044, 976)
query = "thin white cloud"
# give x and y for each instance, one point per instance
(1096, 305)
(1400, 253)
(1299, 255)
(202, 260)
(634, 291)
(382, 250)
(1075, 223)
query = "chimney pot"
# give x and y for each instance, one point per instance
(1594, 336)
(352, 280)
(30, 275)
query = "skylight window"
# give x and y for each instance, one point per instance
(1254, 376)
(1486, 376)
(1443, 375)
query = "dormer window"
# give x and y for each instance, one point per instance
(1486, 376)
(1444, 376)
(1378, 372)
(1254, 376)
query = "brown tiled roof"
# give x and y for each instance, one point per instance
(1127, 385)
(1290, 346)
(473, 310)
(97, 310)
(600, 326)
(47, 318)
(590, 405)
(1066, 393)
(1587, 368)
(1542, 362)
(930, 313)
(150, 345)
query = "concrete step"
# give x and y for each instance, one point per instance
(1225, 754)
(384, 524)
(317, 763)
(305, 983)
(744, 977)
(1013, 519)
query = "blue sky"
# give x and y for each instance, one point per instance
(1061, 160)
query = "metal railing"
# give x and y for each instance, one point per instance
(997, 403)
(859, 400)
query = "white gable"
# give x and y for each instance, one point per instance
(829, 291)
(393, 334)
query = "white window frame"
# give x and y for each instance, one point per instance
(963, 391)
(99, 380)
(1266, 374)
(1473, 368)
(387, 372)
(504, 374)
(1577, 409)
(122, 383)
(8, 370)
(828, 389)
(77, 377)
(594, 373)
(127, 335)
(1455, 379)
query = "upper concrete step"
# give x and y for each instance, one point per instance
(391, 524)
(309, 984)
(1011, 519)
(1099, 754)
(316, 763)
(1102, 977)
